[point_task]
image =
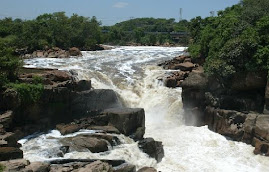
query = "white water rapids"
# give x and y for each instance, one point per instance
(132, 73)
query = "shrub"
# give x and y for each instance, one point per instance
(28, 93)
(2, 168)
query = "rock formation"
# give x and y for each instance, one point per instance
(237, 108)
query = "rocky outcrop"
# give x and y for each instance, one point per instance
(74, 51)
(83, 143)
(63, 99)
(70, 105)
(153, 148)
(193, 97)
(76, 165)
(182, 63)
(7, 153)
(54, 52)
(235, 107)
(128, 121)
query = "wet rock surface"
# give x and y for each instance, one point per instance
(83, 143)
(153, 148)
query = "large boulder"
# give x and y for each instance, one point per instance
(74, 52)
(86, 142)
(6, 119)
(248, 127)
(262, 127)
(195, 81)
(186, 66)
(93, 100)
(8, 153)
(38, 167)
(97, 166)
(15, 165)
(126, 120)
(68, 128)
(261, 147)
(153, 148)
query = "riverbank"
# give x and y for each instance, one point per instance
(236, 108)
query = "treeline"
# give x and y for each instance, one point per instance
(144, 31)
(236, 40)
(50, 30)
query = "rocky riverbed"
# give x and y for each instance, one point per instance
(70, 105)
(132, 74)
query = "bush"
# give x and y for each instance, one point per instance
(234, 41)
(2, 168)
(28, 93)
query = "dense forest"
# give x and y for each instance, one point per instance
(145, 31)
(236, 40)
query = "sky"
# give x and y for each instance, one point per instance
(110, 12)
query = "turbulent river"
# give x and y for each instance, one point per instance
(132, 73)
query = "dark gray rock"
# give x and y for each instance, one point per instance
(195, 81)
(153, 148)
(86, 142)
(126, 120)
(8, 153)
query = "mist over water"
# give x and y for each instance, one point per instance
(132, 72)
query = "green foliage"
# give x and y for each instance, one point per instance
(37, 79)
(49, 30)
(236, 40)
(145, 31)
(9, 63)
(2, 168)
(28, 93)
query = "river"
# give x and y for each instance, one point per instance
(132, 72)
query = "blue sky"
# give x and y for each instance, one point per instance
(113, 11)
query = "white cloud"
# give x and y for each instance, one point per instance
(120, 5)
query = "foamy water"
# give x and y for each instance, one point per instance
(132, 73)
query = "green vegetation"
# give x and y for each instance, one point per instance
(28, 93)
(234, 41)
(145, 31)
(2, 168)
(9, 63)
(52, 30)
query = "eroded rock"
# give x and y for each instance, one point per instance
(8, 153)
(153, 148)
